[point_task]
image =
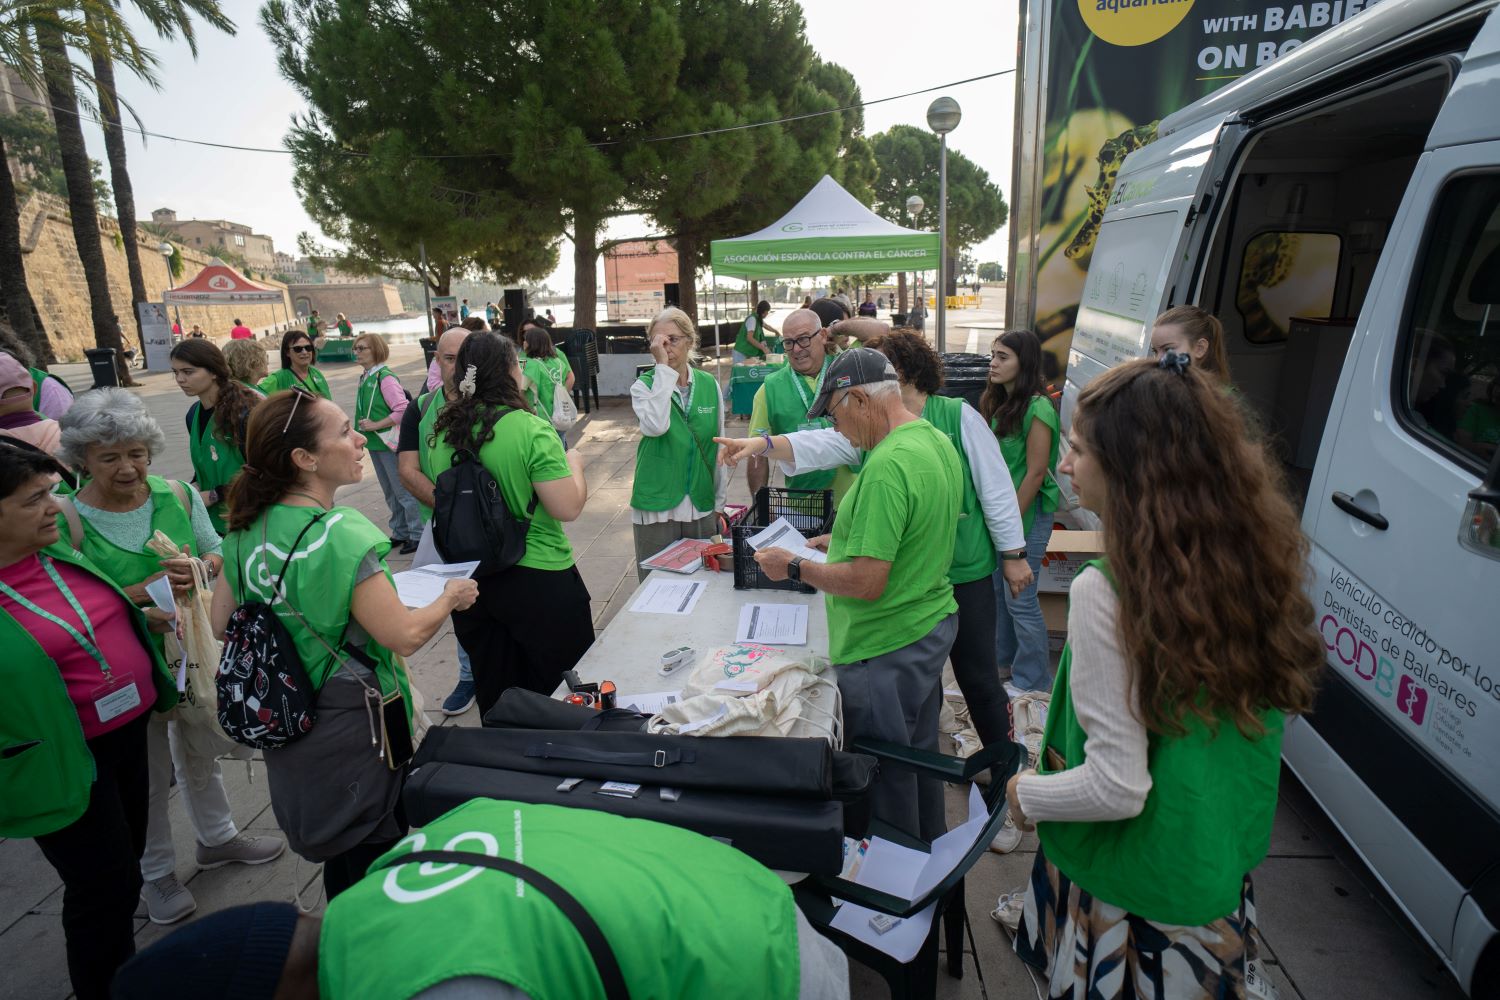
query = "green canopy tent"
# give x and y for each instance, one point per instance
(827, 232)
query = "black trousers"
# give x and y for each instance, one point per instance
(98, 857)
(343, 870)
(528, 626)
(973, 659)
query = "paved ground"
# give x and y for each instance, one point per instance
(1328, 934)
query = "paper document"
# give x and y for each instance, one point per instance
(418, 588)
(683, 556)
(782, 534)
(773, 624)
(427, 552)
(668, 597)
(652, 703)
(160, 592)
(908, 874)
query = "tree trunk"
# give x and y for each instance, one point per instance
(754, 294)
(901, 290)
(442, 277)
(81, 205)
(17, 297)
(688, 249)
(585, 270)
(119, 178)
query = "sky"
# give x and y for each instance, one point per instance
(233, 94)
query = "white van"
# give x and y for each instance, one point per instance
(1339, 211)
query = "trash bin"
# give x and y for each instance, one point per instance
(965, 376)
(898, 320)
(429, 350)
(102, 366)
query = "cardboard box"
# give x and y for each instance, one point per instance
(1066, 553)
(1055, 614)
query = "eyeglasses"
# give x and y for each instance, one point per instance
(302, 349)
(298, 393)
(801, 343)
(831, 416)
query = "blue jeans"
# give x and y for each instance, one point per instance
(465, 670)
(1020, 632)
(406, 518)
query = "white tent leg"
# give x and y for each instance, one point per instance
(713, 282)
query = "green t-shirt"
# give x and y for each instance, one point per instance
(541, 372)
(523, 451)
(903, 509)
(285, 378)
(1013, 450)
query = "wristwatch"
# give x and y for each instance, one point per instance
(1014, 556)
(794, 569)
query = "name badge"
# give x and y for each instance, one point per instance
(114, 698)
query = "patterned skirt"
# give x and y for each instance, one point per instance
(1093, 950)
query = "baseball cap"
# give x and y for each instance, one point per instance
(858, 366)
(13, 374)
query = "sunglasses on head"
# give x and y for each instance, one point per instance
(301, 349)
(298, 394)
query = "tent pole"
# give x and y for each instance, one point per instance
(713, 284)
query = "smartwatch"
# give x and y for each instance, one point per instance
(794, 569)
(1013, 556)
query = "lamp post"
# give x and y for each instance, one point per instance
(167, 250)
(914, 206)
(943, 116)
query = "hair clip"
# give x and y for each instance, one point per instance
(466, 387)
(1175, 361)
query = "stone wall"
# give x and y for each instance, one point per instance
(55, 277)
(358, 302)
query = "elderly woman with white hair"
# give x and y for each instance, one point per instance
(110, 438)
(679, 487)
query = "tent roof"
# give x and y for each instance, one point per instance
(827, 232)
(218, 282)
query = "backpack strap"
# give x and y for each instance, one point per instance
(605, 963)
(75, 523)
(179, 490)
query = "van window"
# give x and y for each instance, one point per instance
(1286, 275)
(1449, 379)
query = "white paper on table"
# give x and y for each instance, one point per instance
(160, 592)
(418, 588)
(669, 597)
(651, 703)
(782, 534)
(773, 624)
(907, 873)
(427, 552)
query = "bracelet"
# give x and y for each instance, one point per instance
(767, 449)
(1014, 556)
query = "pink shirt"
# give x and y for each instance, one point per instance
(434, 376)
(111, 618)
(241, 333)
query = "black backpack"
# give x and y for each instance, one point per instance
(470, 520)
(266, 699)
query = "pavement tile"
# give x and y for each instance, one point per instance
(602, 573)
(26, 880)
(33, 960)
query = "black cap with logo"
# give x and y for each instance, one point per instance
(857, 366)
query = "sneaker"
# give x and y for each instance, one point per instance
(396, 540)
(167, 900)
(242, 850)
(1007, 840)
(1007, 911)
(461, 700)
(409, 546)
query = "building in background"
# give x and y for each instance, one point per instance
(207, 234)
(640, 278)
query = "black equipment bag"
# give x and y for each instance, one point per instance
(801, 768)
(519, 708)
(792, 834)
(470, 519)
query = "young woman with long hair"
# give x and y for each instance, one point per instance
(546, 373)
(215, 422)
(333, 793)
(1196, 333)
(299, 353)
(1024, 420)
(531, 621)
(1189, 644)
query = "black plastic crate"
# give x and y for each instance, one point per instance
(809, 511)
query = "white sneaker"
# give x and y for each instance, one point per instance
(1007, 839)
(1007, 911)
(167, 900)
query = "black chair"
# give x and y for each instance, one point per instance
(815, 895)
(583, 355)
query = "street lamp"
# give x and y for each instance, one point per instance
(943, 116)
(914, 206)
(167, 250)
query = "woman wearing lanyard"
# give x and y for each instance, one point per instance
(335, 795)
(678, 487)
(378, 408)
(297, 356)
(532, 621)
(73, 769)
(111, 439)
(1025, 421)
(215, 421)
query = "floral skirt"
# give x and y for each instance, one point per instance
(1093, 950)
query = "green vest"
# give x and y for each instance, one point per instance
(684, 915)
(787, 402)
(47, 787)
(973, 549)
(742, 342)
(285, 378)
(427, 429)
(320, 583)
(215, 462)
(370, 404)
(680, 462)
(1205, 824)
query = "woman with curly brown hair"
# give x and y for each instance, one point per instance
(1151, 818)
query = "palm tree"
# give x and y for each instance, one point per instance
(103, 26)
(170, 18)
